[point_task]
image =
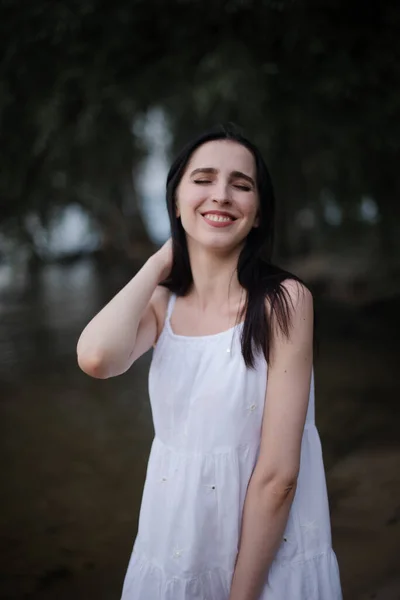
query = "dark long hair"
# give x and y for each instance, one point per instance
(256, 274)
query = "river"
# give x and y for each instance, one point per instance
(74, 449)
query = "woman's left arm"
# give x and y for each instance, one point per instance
(273, 483)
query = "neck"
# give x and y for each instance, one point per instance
(215, 282)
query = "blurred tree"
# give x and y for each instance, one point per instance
(315, 85)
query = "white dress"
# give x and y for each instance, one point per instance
(207, 410)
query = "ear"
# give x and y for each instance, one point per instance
(177, 210)
(257, 220)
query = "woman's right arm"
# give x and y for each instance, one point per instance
(127, 326)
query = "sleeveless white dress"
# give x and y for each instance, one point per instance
(207, 410)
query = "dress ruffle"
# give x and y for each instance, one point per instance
(314, 578)
(148, 582)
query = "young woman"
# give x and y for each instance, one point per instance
(235, 504)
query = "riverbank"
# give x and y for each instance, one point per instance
(74, 450)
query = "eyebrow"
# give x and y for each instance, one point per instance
(213, 171)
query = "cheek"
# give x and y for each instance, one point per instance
(251, 212)
(189, 203)
(250, 208)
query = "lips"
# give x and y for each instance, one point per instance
(219, 213)
(218, 218)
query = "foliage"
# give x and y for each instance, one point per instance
(315, 84)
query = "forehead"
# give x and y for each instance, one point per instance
(224, 155)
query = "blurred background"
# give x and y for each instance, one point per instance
(95, 99)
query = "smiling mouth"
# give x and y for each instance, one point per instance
(219, 218)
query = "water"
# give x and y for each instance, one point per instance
(74, 449)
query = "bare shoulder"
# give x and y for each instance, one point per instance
(300, 296)
(159, 304)
(297, 310)
(296, 294)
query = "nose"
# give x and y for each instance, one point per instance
(221, 194)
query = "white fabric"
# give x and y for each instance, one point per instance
(207, 410)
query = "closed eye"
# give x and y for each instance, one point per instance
(245, 188)
(238, 186)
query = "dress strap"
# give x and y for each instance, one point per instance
(311, 402)
(170, 306)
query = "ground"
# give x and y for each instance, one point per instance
(74, 450)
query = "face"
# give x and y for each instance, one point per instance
(217, 199)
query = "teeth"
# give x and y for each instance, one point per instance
(218, 218)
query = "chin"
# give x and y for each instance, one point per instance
(217, 242)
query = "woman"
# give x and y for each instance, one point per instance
(235, 504)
